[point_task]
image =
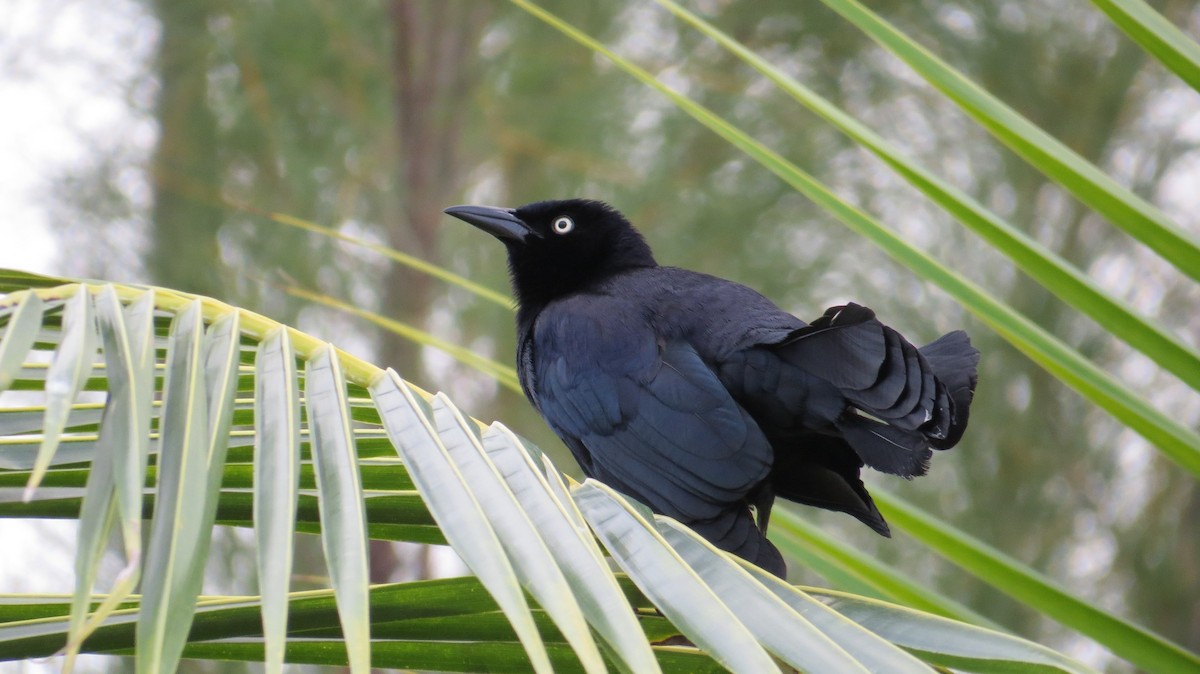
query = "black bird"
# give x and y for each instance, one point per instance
(701, 398)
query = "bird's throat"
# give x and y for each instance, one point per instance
(538, 282)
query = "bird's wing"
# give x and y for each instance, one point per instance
(645, 414)
(797, 411)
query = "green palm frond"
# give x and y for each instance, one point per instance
(1086, 182)
(233, 419)
(1159, 37)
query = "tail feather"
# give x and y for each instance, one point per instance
(900, 401)
(823, 471)
(886, 448)
(843, 347)
(910, 408)
(869, 397)
(954, 362)
(735, 531)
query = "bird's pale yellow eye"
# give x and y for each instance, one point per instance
(563, 225)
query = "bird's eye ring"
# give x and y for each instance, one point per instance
(562, 225)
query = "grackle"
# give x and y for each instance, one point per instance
(701, 398)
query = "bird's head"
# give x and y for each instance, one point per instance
(558, 247)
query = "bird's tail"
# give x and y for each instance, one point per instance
(902, 401)
(823, 471)
(735, 531)
(955, 363)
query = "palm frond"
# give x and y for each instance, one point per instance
(233, 419)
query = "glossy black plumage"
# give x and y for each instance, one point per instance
(701, 398)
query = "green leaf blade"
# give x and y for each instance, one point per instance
(343, 522)
(668, 581)
(875, 652)
(948, 642)
(454, 508)
(784, 632)
(115, 482)
(1087, 183)
(218, 358)
(96, 517)
(791, 532)
(1134, 643)
(131, 461)
(167, 604)
(276, 484)
(1159, 37)
(72, 364)
(536, 568)
(19, 337)
(581, 560)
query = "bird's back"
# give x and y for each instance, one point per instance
(827, 396)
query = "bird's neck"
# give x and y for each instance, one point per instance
(538, 284)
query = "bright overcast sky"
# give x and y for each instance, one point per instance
(64, 66)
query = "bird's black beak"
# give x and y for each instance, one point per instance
(501, 223)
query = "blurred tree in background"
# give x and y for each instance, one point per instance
(372, 117)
